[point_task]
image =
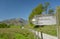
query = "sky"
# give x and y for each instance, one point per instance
(21, 8)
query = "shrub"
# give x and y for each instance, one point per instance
(4, 25)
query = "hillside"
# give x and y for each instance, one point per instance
(15, 21)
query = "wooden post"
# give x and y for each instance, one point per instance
(58, 21)
(41, 35)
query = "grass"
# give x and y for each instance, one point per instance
(16, 33)
(51, 30)
(19, 36)
(15, 26)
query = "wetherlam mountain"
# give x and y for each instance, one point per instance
(15, 21)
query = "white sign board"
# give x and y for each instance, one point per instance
(44, 20)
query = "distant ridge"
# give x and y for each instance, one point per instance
(15, 21)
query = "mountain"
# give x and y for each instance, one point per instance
(15, 21)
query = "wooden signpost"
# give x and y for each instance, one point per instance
(44, 20)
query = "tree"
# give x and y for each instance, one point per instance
(51, 11)
(3, 25)
(36, 11)
(46, 7)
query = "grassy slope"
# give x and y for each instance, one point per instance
(19, 36)
(15, 33)
(16, 36)
(15, 27)
(52, 30)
